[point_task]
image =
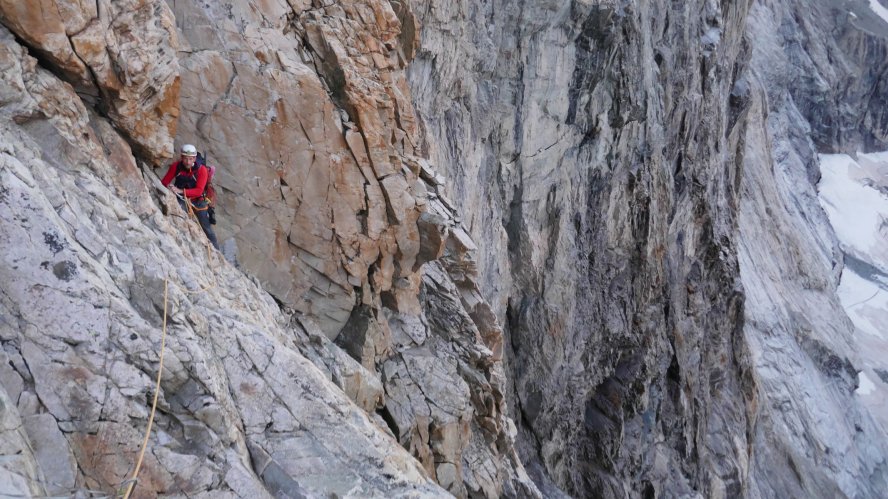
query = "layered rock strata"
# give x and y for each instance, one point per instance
(813, 84)
(601, 136)
(640, 180)
(402, 181)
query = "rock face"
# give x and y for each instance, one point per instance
(86, 254)
(327, 183)
(325, 202)
(640, 177)
(602, 137)
(119, 56)
(480, 249)
(803, 347)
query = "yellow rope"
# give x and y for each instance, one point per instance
(132, 481)
(193, 214)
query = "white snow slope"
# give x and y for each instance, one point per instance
(878, 9)
(854, 194)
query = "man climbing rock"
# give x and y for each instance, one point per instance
(189, 184)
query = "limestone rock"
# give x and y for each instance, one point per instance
(330, 198)
(20, 474)
(359, 381)
(467, 244)
(329, 203)
(45, 25)
(52, 452)
(444, 391)
(592, 222)
(365, 338)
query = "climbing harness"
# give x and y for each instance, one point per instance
(187, 179)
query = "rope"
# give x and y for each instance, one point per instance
(861, 302)
(131, 482)
(193, 215)
(134, 479)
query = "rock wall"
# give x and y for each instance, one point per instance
(119, 57)
(330, 179)
(86, 254)
(329, 194)
(324, 201)
(813, 436)
(601, 137)
(639, 178)
(460, 239)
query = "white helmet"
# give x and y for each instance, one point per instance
(189, 150)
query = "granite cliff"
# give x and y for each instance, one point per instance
(665, 273)
(480, 249)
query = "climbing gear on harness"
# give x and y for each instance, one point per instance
(191, 181)
(186, 178)
(193, 206)
(203, 213)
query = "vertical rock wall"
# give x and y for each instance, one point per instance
(328, 201)
(86, 255)
(813, 84)
(634, 176)
(624, 186)
(319, 204)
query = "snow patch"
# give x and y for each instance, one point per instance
(878, 9)
(857, 209)
(877, 157)
(865, 385)
(866, 304)
(854, 194)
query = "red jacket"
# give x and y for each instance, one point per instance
(201, 179)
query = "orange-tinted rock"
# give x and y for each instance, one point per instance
(42, 25)
(122, 53)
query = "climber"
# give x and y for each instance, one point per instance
(190, 188)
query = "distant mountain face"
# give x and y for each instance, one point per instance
(670, 302)
(854, 194)
(486, 249)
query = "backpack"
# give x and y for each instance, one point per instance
(209, 190)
